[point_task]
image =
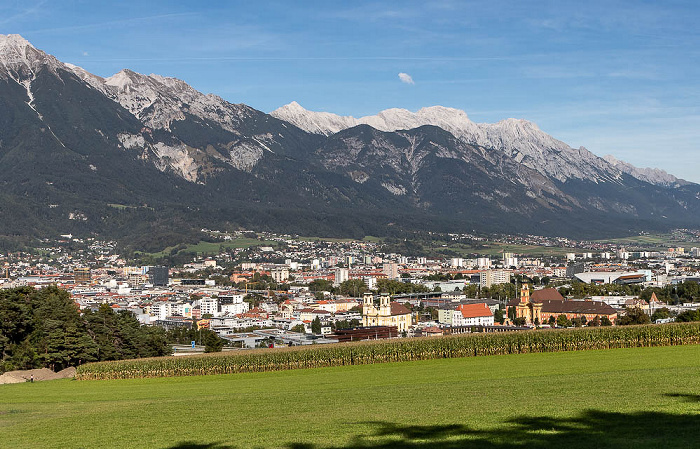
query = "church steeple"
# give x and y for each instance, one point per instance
(524, 294)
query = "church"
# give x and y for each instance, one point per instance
(389, 313)
(543, 304)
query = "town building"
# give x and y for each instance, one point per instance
(389, 313)
(472, 315)
(487, 278)
(81, 275)
(548, 302)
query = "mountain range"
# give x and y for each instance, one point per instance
(149, 160)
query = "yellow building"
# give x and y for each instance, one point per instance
(387, 314)
(531, 311)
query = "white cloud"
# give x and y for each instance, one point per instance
(406, 78)
(86, 53)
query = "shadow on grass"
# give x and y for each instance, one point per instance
(193, 445)
(685, 396)
(592, 428)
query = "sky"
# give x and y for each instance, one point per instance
(618, 77)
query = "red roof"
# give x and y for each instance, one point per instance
(399, 309)
(474, 310)
(551, 294)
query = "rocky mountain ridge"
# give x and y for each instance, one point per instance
(515, 138)
(150, 156)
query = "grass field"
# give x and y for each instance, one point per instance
(214, 248)
(656, 242)
(494, 249)
(621, 398)
(367, 238)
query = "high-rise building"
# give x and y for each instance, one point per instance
(209, 306)
(341, 275)
(158, 275)
(488, 278)
(391, 270)
(483, 262)
(82, 275)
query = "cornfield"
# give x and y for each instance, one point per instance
(399, 350)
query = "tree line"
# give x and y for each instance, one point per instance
(45, 328)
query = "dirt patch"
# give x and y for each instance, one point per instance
(39, 375)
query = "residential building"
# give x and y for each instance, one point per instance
(472, 315)
(487, 278)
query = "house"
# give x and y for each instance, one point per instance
(472, 315)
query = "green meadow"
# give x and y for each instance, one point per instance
(618, 398)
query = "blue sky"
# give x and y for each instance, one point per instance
(618, 77)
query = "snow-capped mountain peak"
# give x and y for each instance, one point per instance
(651, 175)
(324, 123)
(13, 42)
(20, 59)
(517, 138)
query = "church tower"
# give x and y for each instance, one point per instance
(367, 303)
(523, 309)
(524, 294)
(385, 305)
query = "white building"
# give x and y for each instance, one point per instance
(471, 315)
(209, 306)
(370, 282)
(341, 275)
(161, 310)
(279, 275)
(483, 262)
(183, 309)
(233, 304)
(488, 278)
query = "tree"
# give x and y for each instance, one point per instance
(563, 321)
(498, 316)
(316, 326)
(212, 342)
(320, 285)
(299, 328)
(605, 321)
(595, 322)
(689, 315)
(552, 321)
(660, 314)
(396, 287)
(45, 328)
(520, 321)
(353, 287)
(633, 315)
